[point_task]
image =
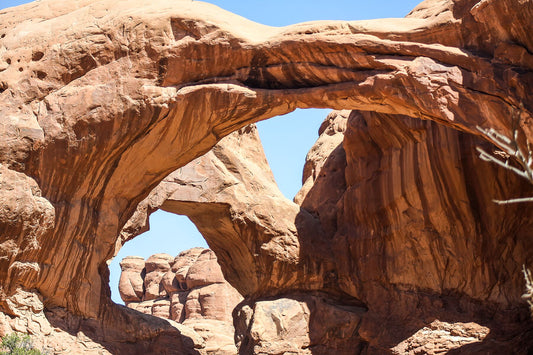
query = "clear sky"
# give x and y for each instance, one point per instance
(286, 139)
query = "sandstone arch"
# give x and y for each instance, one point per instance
(101, 101)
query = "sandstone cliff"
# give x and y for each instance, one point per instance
(394, 235)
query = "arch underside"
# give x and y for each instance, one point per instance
(117, 100)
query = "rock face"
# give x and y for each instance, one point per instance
(300, 324)
(111, 109)
(189, 289)
(410, 196)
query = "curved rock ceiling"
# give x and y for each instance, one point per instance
(102, 100)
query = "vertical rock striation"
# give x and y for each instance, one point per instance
(416, 214)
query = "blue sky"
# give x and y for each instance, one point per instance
(286, 139)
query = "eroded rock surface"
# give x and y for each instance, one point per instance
(189, 289)
(102, 100)
(301, 324)
(413, 198)
(439, 337)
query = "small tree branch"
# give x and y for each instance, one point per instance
(511, 148)
(528, 296)
(483, 155)
(513, 200)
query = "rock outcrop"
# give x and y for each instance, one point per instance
(189, 289)
(413, 198)
(423, 201)
(106, 105)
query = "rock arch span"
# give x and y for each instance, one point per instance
(102, 101)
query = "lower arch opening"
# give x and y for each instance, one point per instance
(169, 233)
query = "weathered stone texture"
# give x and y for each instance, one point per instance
(188, 289)
(108, 109)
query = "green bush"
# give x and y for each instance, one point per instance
(17, 344)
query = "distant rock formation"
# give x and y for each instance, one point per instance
(189, 289)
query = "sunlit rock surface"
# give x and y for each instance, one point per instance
(188, 289)
(102, 103)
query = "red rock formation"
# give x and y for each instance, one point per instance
(102, 100)
(416, 213)
(420, 188)
(189, 289)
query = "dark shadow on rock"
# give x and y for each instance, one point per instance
(121, 330)
(451, 322)
(518, 342)
(330, 321)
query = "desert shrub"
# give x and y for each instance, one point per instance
(18, 344)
